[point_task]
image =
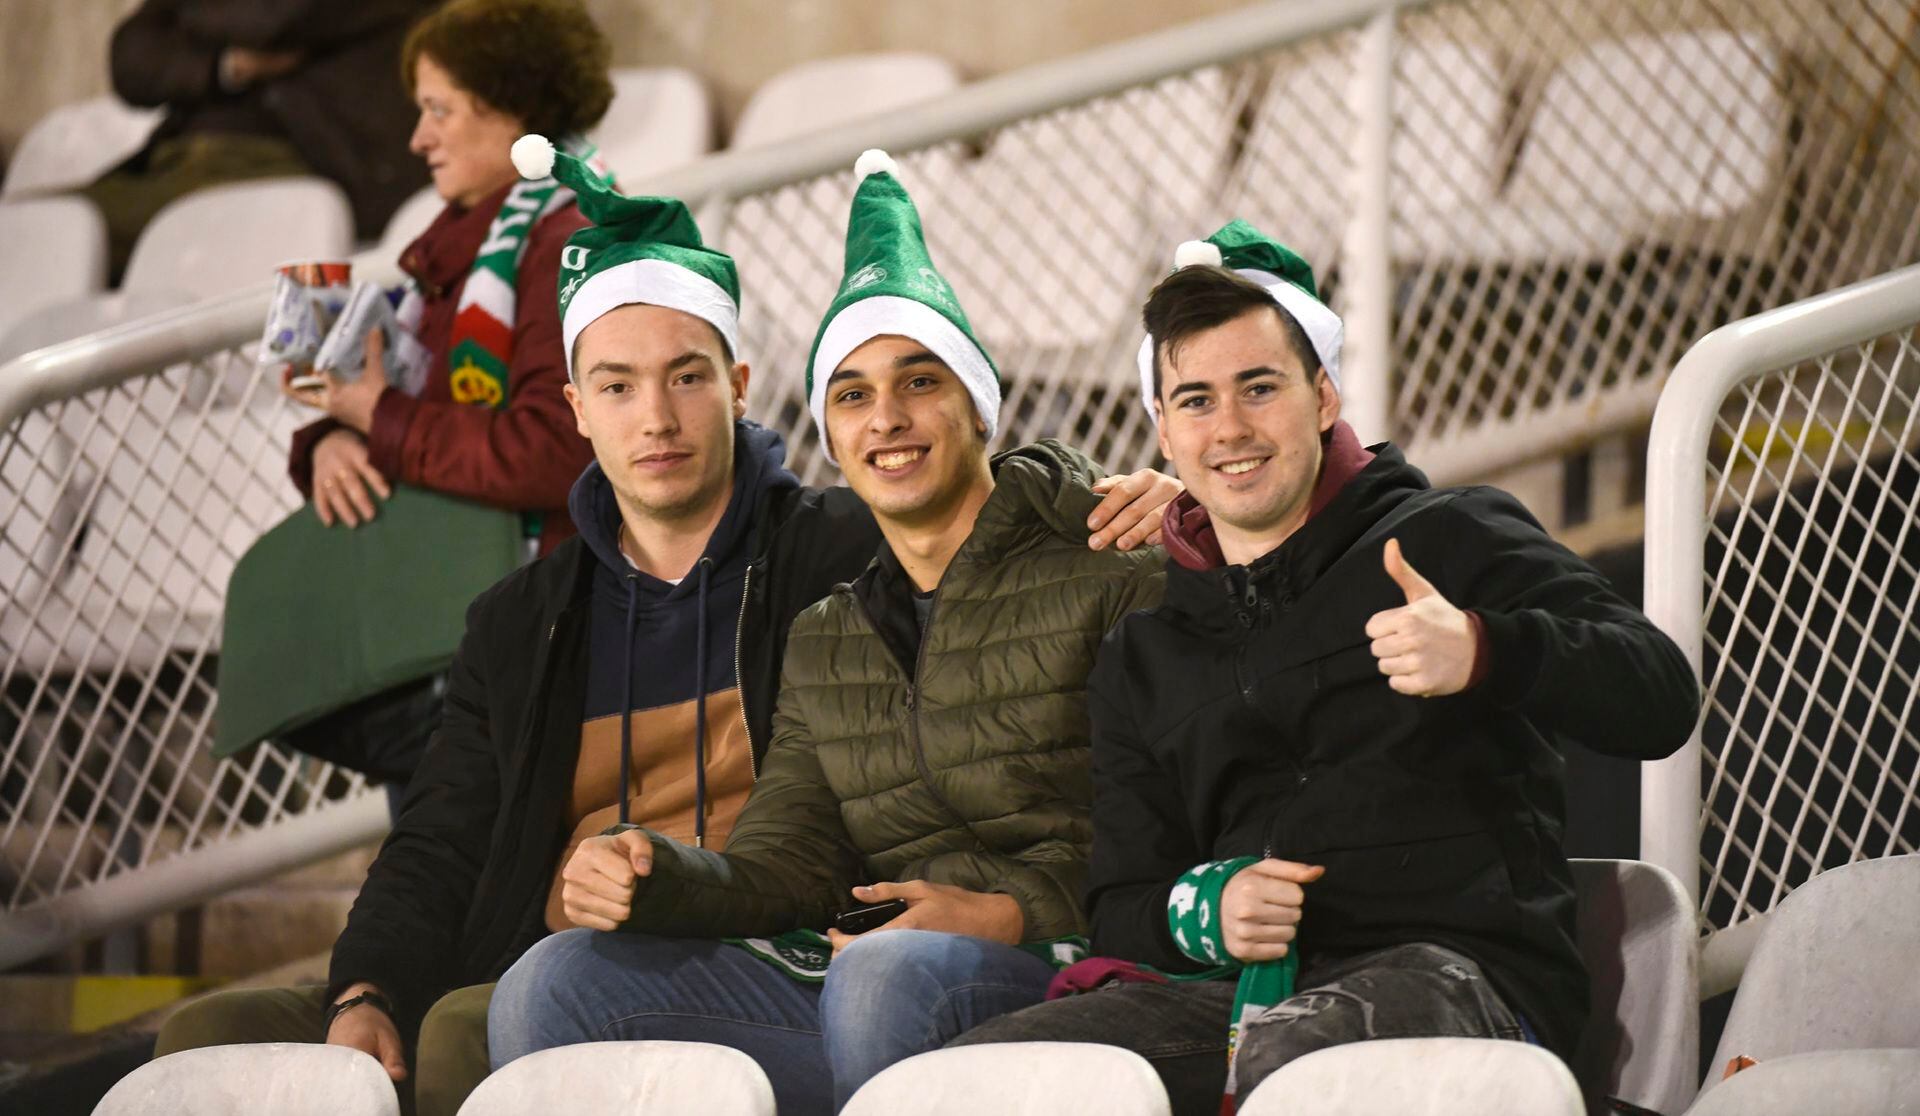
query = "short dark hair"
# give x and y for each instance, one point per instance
(1195, 299)
(543, 62)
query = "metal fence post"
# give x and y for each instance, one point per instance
(1367, 362)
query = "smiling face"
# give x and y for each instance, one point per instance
(654, 393)
(1241, 420)
(905, 432)
(467, 144)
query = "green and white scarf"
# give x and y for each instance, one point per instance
(1193, 917)
(480, 349)
(805, 954)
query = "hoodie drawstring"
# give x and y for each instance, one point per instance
(626, 703)
(700, 713)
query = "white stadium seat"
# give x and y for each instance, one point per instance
(405, 226)
(799, 234)
(629, 1078)
(75, 144)
(1420, 1077)
(1015, 1079)
(1831, 1083)
(1638, 934)
(1084, 268)
(55, 251)
(661, 118)
(1833, 969)
(815, 96)
(1588, 185)
(284, 1078)
(227, 238)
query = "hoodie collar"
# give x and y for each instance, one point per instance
(1189, 534)
(759, 458)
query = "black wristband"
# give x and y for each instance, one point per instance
(369, 997)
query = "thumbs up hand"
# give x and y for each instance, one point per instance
(1426, 648)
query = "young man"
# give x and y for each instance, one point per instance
(1340, 733)
(627, 677)
(930, 740)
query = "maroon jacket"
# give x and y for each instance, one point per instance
(522, 457)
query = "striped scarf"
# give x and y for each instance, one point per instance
(480, 349)
(1193, 916)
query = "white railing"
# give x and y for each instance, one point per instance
(1523, 208)
(1783, 555)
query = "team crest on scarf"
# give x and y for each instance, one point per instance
(481, 345)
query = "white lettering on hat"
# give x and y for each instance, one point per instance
(867, 277)
(934, 285)
(574, 257)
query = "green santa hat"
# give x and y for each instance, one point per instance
(638, 250)
(890, 286)
(1288, 278)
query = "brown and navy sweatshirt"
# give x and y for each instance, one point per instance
(664, 743)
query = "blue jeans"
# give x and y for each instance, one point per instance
(888, 996)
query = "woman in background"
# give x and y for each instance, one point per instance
(490, 423)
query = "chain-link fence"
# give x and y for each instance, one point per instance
(1578, 192)
(127, 507)
(1813, 567)
(1575, 192)
(1784, 549)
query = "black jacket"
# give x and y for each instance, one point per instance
(1246, 716)
(457, 892)
(344, 108)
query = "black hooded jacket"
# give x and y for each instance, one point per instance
(1247, 716)
(457, 892)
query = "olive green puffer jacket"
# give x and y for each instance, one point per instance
(967, 767)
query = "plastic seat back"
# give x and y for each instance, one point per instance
(1420, 1077)
(1638, 935)
(828, 92)
(1831, 1082)
(284, 1078)
(225, 238)
(1833, 969)
(1609, 160)
(75, 144)
(1015, 1079)
(661, 118)
(55, 251)
(631, 1078)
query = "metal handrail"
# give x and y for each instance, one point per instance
(1677, 518)
(142, 345)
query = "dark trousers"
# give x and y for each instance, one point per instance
(131, 195)
(1409, 991)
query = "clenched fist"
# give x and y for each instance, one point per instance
(1426, 648)
(596, 889)
(1260, 908)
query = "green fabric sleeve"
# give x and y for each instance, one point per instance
(788, 865)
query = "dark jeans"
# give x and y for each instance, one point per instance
(1409, 991)
(888, 996)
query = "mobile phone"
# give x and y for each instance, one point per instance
(859, 920)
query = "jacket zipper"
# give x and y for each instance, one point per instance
(913, 701)
(739, 679)
(1247, 608)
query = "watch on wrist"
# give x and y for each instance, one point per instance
(369, 997)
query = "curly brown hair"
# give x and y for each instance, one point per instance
(543, 62)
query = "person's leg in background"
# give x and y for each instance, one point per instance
(590, 986)
(130, 196)
(1179, 1028)
(450, 1059)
